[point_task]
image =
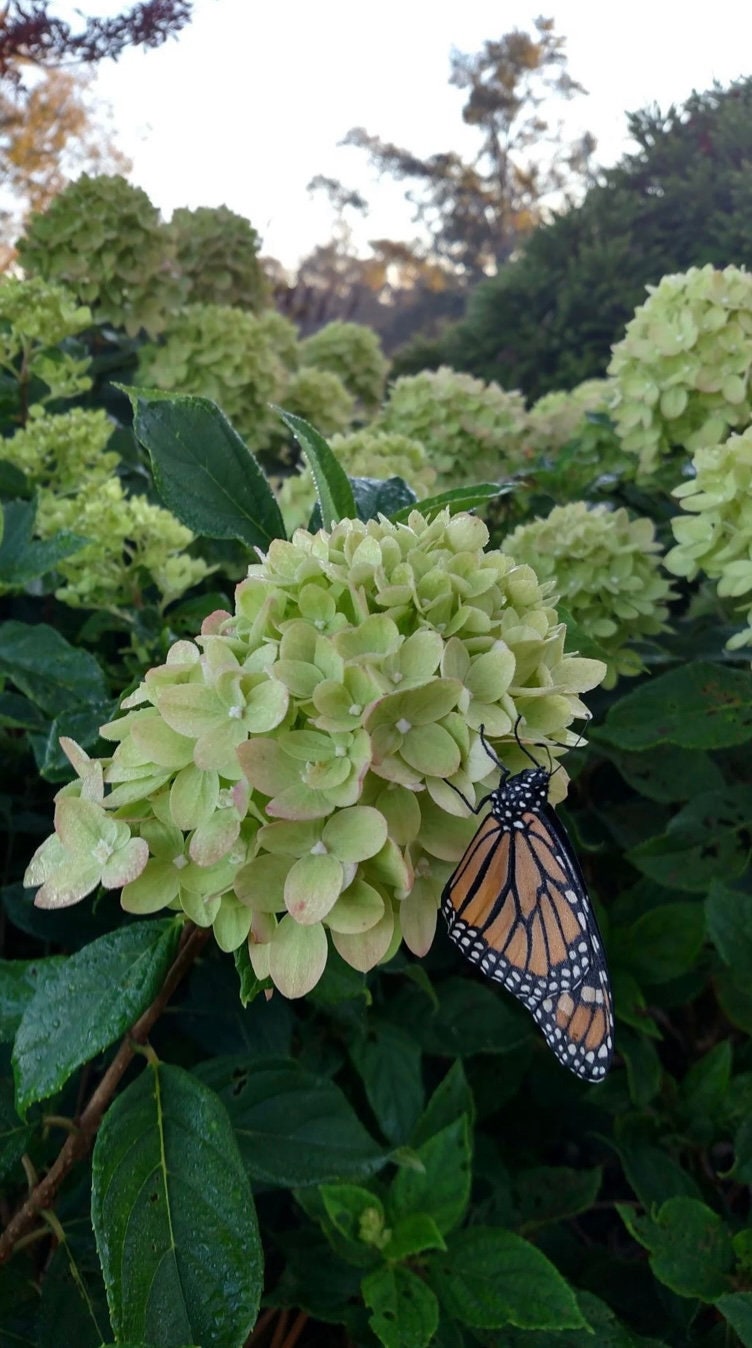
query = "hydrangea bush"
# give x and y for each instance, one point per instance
(37, 319)
(353, 352)
(715, 536)
(216, 253)
(606, 569)
(103, 240)
(682, 371)
(287, 778)
(556, 418)
(471, 431)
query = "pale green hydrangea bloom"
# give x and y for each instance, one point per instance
(35, 317)
(216, 253)
(289, 770)
(320, 397)
(606, 570)
(224, 354)
(682, 370)
(557, 417)
(716, 536)
(471, 431)
(352, 351)
(103, 239)
(61, 452)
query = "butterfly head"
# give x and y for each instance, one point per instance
(527, 791)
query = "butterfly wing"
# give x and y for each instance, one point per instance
(578, 1024)
(516, 905)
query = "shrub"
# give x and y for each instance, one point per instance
(353, 352)
(216, 252)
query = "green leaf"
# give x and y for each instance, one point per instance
(673, 774)
(404, 1312)
(643, 1066)
(203, 470)
(52, 673)
(19, 981)
(736, 1307)
(458, 498)
(356, 1213)
(451, 1099)
(389, 1064)
(19, 1304)
(14, 1135)
(698, 706)
(471, 1018)
(73, 1308)
(729, 917)
(690, 1248)
(88, 1003)
(173, 1216)
(375, 496)
(490, 1278)
(578, 639)
(704, 1089)
(332, 484)
(250, 985)
(551, 1193)
(22, 558)
(742, 1167)
(706, 840)
(665, 942)
(603, 1330)
(412, 1235)
(81, 725)
(651, 1170)
(293, 1127)
(441, 1188)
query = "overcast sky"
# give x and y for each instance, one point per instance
(249, 102)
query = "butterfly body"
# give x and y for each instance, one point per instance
(517, 906)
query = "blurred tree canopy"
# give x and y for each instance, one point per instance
(32, 35)
(683, 198)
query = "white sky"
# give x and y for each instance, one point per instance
(249, 102)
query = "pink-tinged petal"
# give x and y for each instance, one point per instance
(232, 924)
(300, 802)
(267, 767)
(313, 885)
(266, 707)
(214, 839)
(213, 622)
(216, 749)
(261, 883)
(263, 927)
(364, 950)
(297, 957)
(88, 769)
(160, 744)
(70, 883)
(357, 910)
(126, 864)
(418, 914)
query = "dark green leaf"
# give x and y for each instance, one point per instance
(673, 774)
(665, 942)
(551, 1193)
(23, 558)
(173, 1216)
(490, 1278)
(603, 1330)
(690, 1248)
(698, 706)
(48, 670)
(19, 1303)
(204, 472)
(412, 1235)
(704, 1089)
(404, 1312)
(81, 725)
(73, 1308)
(356, 1213)
(388, 1062)
(471, 1018)
(375, 496)
(441, 1187)
(293, 1128)
(706, 840)
(88, 1003)
(14, 1135)
(729, 918)
(736, 1307)
(651, 1170)
(643, 1066)
(332, 484)
(250, 985)
(742, 1168)
(458, 498)
(19, 981)
(451, 1099)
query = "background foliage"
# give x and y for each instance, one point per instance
(397, 1158)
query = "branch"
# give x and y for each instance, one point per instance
(79, 1143)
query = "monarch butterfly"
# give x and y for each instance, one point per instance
(517, 906)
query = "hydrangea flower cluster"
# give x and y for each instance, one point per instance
(34, 318)
(606, 570)
(716, 535)
(224, 354)
(471, 430)
(286, 777)
(682, 370)
(557, 417)
(216, 252)
(103, 239)
(320, 397)
(353, 352)
(132, 543)
(365, 453)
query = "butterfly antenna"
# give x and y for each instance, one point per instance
(520, 745)
(492, 753)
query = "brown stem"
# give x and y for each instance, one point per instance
(78, 1144)
(296, 1329)
(280, 1330)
